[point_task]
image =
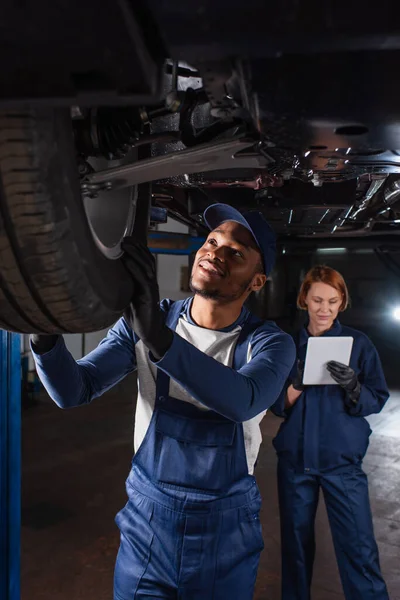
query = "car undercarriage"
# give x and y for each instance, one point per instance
(290, 109)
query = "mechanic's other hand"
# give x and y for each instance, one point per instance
(346, 377)
(43, 342)
(144, 314)
(297, 382)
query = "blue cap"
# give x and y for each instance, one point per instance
(254, 222)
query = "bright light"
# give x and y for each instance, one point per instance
(396, 313)
(331, 250)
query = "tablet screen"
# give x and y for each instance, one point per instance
(320, 350)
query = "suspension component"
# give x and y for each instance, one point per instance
(108, 132)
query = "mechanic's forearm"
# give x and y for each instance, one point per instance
(237, 395)
(63, 379)
(369, 402)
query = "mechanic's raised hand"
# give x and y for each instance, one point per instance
(297, 382)
(346, 377)
(144, 314)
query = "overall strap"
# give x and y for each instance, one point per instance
(162, 386)
(243, 342)
(171, 320)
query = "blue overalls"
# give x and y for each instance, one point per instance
(190, 529)
(321, 444)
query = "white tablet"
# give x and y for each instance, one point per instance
(320, 350)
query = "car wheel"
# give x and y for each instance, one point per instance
(60, 265)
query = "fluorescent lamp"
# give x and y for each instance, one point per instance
(331, 250)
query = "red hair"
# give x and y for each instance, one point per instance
(323, 274)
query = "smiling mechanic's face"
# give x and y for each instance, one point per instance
(227, 266)
(323, 304)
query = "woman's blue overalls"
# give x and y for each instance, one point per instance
(190, 529)
(321, 445)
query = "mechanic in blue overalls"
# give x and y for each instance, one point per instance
(208, 370)
(321, 444)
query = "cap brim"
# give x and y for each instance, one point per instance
(216, 214)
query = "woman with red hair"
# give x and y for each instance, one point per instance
(321, 444)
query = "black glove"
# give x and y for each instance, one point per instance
(144, 314)
(297, 382)
(346, 377)
(43, 343)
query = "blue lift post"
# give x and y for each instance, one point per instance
(10, 465)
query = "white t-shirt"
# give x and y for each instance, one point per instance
(220, 345)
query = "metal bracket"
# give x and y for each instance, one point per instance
(232, 154)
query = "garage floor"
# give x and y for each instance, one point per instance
(74, 466)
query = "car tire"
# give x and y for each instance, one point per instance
(53, 277)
